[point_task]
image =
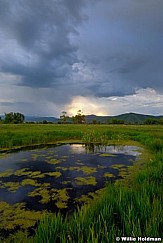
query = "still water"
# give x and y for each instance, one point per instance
(56, 178)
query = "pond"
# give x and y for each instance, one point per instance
(57, 178)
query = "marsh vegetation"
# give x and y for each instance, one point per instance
(130, 206)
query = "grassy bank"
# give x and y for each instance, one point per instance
(12, 136)
(123, 209)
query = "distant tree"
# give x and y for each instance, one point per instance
(151, 121)
(115, 121)
(94, 121)
(161, 121)
(79, 118)
(44, 122)
(64, 117)
(14, 118)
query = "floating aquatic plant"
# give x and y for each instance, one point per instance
(62, 168)
(6, 173)
(43, 192)
(108, 155)
(53, 161)
(117, 166)
(54, 173)
(87, 169)
(18, 219)
(31, 182)
(22, 172)
(109, 175)
(61, 197)
(36, 174)
(84, 169)
(85, 181)
(12, 186)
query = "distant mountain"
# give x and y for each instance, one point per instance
(40, 119)
(127, 117)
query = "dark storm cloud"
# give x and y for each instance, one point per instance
(38, 36)
(54, 50)
(125, 50)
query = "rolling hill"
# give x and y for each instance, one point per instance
(127, 118)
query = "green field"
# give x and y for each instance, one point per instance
(12, 136)
(131, 207)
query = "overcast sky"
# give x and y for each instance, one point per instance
(104, 57)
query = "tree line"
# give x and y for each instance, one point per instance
(79, 118)
(13, 118)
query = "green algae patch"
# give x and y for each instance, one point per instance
(107, 155)
(84, 169)
(61, 204)
(117, 166)
(28, 173)
(61, 197)
(21, 172)
(2, 184)
(12, 186)
(54, 173)
(30, 182)
(84, 199)
(16, 214)
(15, 217)
(85, 181)
(36, 174)
(108, 175)
(6, 173)
(87, 170)
(43, 192)
(53, 161)
(62, 168)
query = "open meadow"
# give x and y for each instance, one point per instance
(129, 207)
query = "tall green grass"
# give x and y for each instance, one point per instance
(13, 135)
